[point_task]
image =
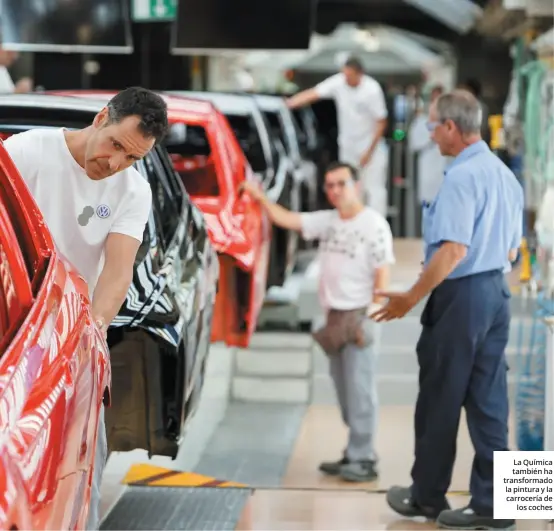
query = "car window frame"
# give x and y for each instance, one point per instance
(164, 241)
(221, 188)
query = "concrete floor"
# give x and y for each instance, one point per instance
(292, 393)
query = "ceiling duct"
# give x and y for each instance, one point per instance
(460, 15)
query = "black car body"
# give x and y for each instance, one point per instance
(312, 143)
(282, 126)
(268, 158)
(159, 341)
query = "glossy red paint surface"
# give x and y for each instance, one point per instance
(54, 371)
(238, 228)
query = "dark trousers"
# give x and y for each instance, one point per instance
(461, 355)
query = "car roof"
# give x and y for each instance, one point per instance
(174, 101)
(269, 103)
(225, 102)
(45, 101)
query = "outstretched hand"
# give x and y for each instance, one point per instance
(397, 306)
(253, 189)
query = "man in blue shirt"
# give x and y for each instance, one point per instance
(471, 232)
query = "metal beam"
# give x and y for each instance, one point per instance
(395, 13)
(460, 15)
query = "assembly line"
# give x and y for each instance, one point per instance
(306, 283)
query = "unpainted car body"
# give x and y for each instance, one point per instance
(160, 339)
(54, 371)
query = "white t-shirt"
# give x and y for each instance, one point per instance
(6, 83)
(79, 211)
(358, 111)
(431, 164)
(350, 250)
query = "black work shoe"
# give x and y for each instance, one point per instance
(333, 467)
(359, 471)
(400, 500)
(466, 518)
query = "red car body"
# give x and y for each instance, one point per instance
(212, 169)
(54, 371)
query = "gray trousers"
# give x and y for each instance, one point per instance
(353, 371)
(100, 459)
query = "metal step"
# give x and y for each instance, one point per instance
(393, 389)
(273, 363)
(187, 509)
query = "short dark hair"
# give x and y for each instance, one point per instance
(338, 165)
(355, 64)
(147, 105)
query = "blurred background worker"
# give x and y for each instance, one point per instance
(431, 163)
(470, 232)
(355, 253)
(362, 119)
(7, 86)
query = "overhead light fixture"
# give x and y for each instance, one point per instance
(340, 58)
(368, 41)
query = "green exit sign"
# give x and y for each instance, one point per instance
(153, 10)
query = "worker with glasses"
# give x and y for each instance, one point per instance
(355, 254)
(472, 230)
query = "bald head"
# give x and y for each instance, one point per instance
(462, 108)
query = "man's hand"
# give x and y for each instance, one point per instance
(102, 326)
(398, 305)
(254, 190)
(24, 85)
(366, 157)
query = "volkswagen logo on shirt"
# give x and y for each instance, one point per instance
(103, 211)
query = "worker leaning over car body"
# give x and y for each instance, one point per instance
(96, 205)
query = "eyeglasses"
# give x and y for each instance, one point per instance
(431, 126)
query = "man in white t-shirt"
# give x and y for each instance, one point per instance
(431, 163)
(96, 204)
(355, 253)
(362, 119)
(7, 86)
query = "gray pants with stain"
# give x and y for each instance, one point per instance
(353, 372)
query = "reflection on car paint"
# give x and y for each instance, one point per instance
(54, 371)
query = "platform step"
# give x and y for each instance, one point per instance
(407, 331)
(396, 360)
(392, 389)
(275, 390)
(280, 340)
(294, 363)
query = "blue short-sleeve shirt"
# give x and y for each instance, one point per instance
(480, 205)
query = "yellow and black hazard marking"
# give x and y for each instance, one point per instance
(143, 475)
